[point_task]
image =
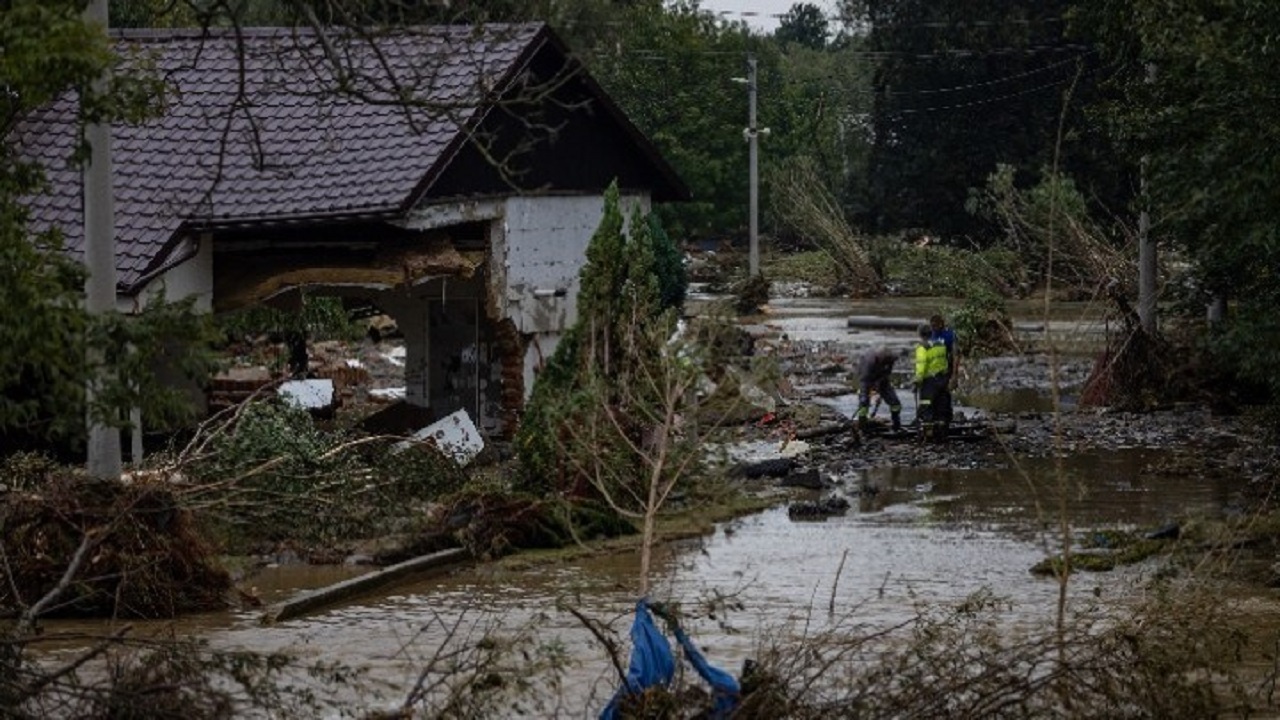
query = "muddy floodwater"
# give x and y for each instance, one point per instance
(926, 536)
(917, 536)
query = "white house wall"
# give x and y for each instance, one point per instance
(541, 251)
(544, 248)
(192, 277)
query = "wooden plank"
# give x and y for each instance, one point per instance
(875, 322)
(313, 600)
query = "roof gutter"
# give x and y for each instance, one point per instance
(186, 248)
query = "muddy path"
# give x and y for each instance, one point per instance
(1026, 401)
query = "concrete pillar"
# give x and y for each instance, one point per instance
(103, 449)
(410, 314)
(135, 439)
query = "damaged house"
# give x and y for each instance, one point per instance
(450, 176)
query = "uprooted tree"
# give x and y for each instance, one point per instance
(805, 205)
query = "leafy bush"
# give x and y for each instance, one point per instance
(1048, 226)
(982, 323)
(272, 475)
(668, 266)
(932, 269)
(751, 294)
(813, 267)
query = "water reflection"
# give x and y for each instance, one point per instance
(926, 537)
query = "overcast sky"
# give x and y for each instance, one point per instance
(767, 10)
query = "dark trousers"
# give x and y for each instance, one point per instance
(942, 401)
(934, 407)
(886, 391)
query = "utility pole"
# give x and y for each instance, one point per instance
(1146, 248)
(753, 231)
(104, 455)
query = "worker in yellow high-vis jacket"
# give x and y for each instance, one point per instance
(930, 382)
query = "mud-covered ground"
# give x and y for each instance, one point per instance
(1018, 417)
(1198, 444)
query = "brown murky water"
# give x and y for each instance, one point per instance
(927, 536)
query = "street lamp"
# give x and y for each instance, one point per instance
(750, 134)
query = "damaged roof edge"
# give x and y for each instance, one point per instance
(176, 251)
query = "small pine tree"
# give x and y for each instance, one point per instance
(594, 382)
(673, 280)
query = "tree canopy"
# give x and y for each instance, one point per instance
(902, 111)
(804, 24)
(46, 50)
(960, 89)
(1195, 98)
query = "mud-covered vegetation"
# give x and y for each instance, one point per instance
(493, 522)
(268, 474)
(963, 662)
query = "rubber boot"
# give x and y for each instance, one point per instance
(897, 421)
(924, 415)
(940, 431)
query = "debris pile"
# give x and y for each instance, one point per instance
(236, 385)
(140, 555)
(1136, 369)
(493, 524)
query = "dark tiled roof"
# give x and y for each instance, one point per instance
(277, 141)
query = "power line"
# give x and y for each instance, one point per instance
(849, 92)
(984, 101)
(975, 85)
(651, 53)
(963, 24)
(864, 26)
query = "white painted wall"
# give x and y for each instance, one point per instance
(544, 249)
(541, 251)
(191, 277)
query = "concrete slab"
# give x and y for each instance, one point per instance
(455, 434)
(315, 394)
(314, 600)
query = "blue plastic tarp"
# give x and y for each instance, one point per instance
(725, 690)
(653, 664)
(651, 660)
